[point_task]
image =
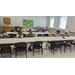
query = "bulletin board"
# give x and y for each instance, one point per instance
(27, 23)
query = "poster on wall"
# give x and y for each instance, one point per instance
(27, 23)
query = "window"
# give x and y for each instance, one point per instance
(63, 21)
(52, 22)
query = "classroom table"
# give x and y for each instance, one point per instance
(35, 33)
(33, 39)
(59, 38)
(16, 40)
(28, 33)
(40, 33)
(31, 29)
(12, 33)
(12, 41)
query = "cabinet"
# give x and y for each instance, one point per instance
(7, 20)
(7, 29)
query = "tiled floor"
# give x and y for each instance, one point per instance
(46, 54)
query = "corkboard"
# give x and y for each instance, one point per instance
(27, 23)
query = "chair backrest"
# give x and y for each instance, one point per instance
(37, 45)
(31, 35)
(5, 48)
(11, 35)
(4, 45)
(21, 44)
(38, 42)
(57, 42)
(24, 35)
(46, 35)
(61, 34)
(61, 41)
(69, 41)
(18, 28)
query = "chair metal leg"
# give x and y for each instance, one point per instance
(70, 48)
(60, 50)
(16, 54)
(42, 51)
(10, 53)
(46, 46)
(26, 53)
(33, 51)
(42, 48)
(64, 49)
(53, 51)
(1, 53)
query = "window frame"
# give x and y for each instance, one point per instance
(50, 22)
(60, 23)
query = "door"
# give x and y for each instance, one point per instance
(0, 29)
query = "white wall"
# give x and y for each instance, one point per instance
(0, 20)
(18, 20)
(56, 22)
(41, 21)
(70, 26)
(70, 23)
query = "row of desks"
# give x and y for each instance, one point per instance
(28, 33)
(33, 39)
(36, 33)
(31, 29)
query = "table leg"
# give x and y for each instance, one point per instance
(12, 47)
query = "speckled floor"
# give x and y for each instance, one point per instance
(46, 54)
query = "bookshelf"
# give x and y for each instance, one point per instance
(7, 29)
(7, 24)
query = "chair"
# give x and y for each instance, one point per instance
(18, 28)
(46, 35)
(15, 35)
(36, 31)
(39, 35)
(66, 44)
(20, 47)
(37, 45)
(5, 48)
(73, 43)
(24, 35)
(54, 45)
(31, 35)
(12, 35)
